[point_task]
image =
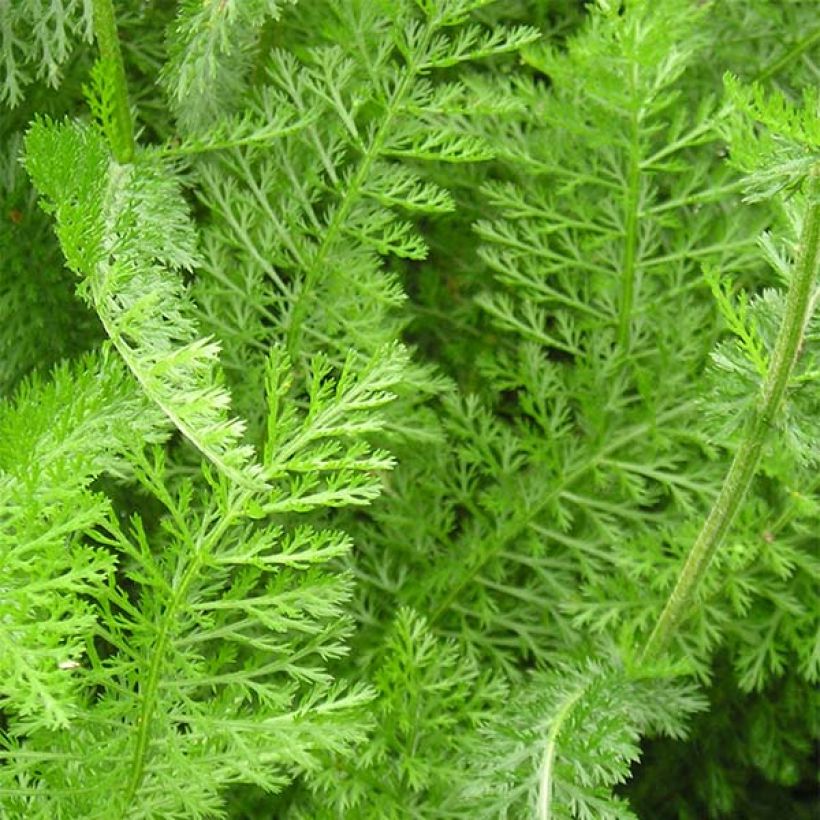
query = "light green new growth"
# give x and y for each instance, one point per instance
(126, 230)
(410, 408)
(55, 440)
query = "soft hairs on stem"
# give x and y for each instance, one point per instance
(744, 464)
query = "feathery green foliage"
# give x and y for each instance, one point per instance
(568, 736)
(409, 409)
(37, 37)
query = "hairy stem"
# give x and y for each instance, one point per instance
(105, 30)
(744, 465)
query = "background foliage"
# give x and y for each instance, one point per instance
(355, 429)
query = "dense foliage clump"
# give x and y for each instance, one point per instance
(409, 409)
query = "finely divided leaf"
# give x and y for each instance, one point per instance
(126, 230)
(55, 438)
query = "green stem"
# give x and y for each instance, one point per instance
(548, 761)
(351, 195)
(630, 248)
(744, 465)
(793, 53)
(105, 30)
(149, 686)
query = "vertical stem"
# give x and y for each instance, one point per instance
(544, 805)
(630, 248)
(105, 30)
(353, 189)
(744, 465)
(202, 544)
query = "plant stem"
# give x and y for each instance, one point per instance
(548, 761)
(149, 686)
(744, 465)
(630, 247)
(105, 30)
(791, 54)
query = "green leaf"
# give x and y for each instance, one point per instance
(126, 230)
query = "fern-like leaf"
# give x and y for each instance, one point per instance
(56, 438)
(125, 229)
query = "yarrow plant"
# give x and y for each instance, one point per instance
(409, 409)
